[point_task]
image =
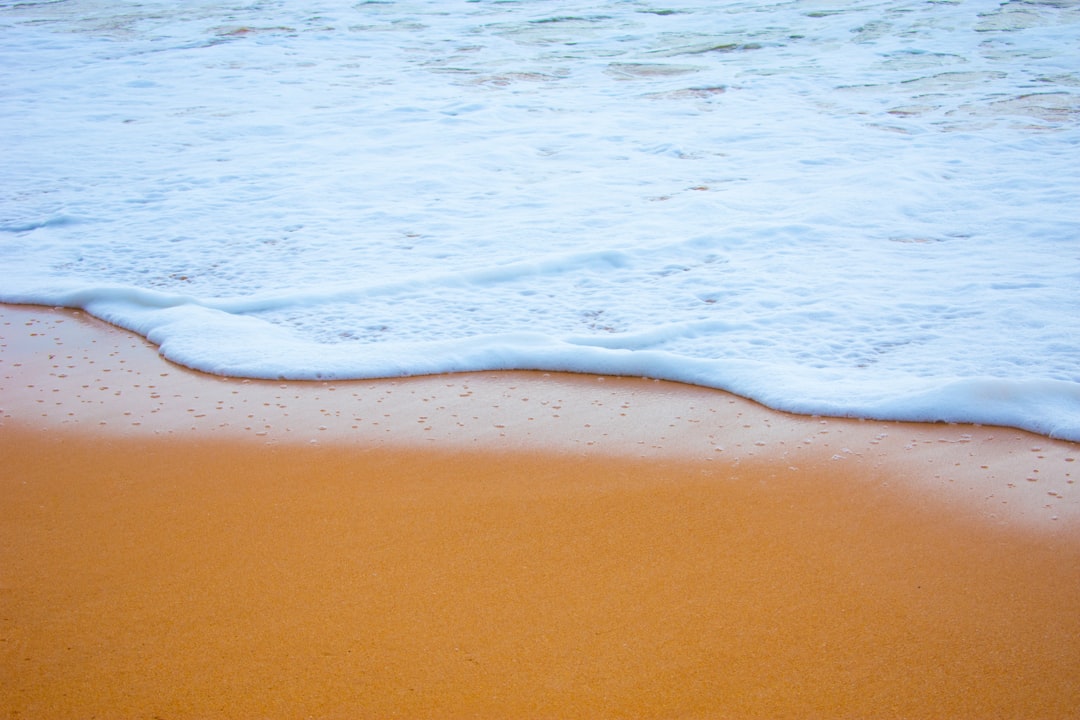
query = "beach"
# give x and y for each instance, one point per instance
(495, 359)
(181, 545)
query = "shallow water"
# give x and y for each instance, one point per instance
(865, 208)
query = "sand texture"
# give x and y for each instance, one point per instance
(494, 545)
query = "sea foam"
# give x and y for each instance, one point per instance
(869, 210)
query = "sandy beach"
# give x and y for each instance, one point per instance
(525, 544)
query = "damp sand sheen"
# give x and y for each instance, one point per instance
(510, 545)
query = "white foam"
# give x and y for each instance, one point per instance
(864, 210)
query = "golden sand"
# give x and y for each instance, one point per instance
(177, 545)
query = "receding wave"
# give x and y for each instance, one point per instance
(867, 210)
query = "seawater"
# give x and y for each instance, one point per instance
(864, 208)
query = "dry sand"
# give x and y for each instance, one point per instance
(178, 545)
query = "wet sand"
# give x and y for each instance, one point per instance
(178, 545)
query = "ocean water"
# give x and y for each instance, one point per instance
(866, 207)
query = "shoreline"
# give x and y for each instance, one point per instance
(510, 545)
(64, 370)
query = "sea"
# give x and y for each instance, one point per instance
(864, 208)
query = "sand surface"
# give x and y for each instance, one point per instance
(178, 545)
